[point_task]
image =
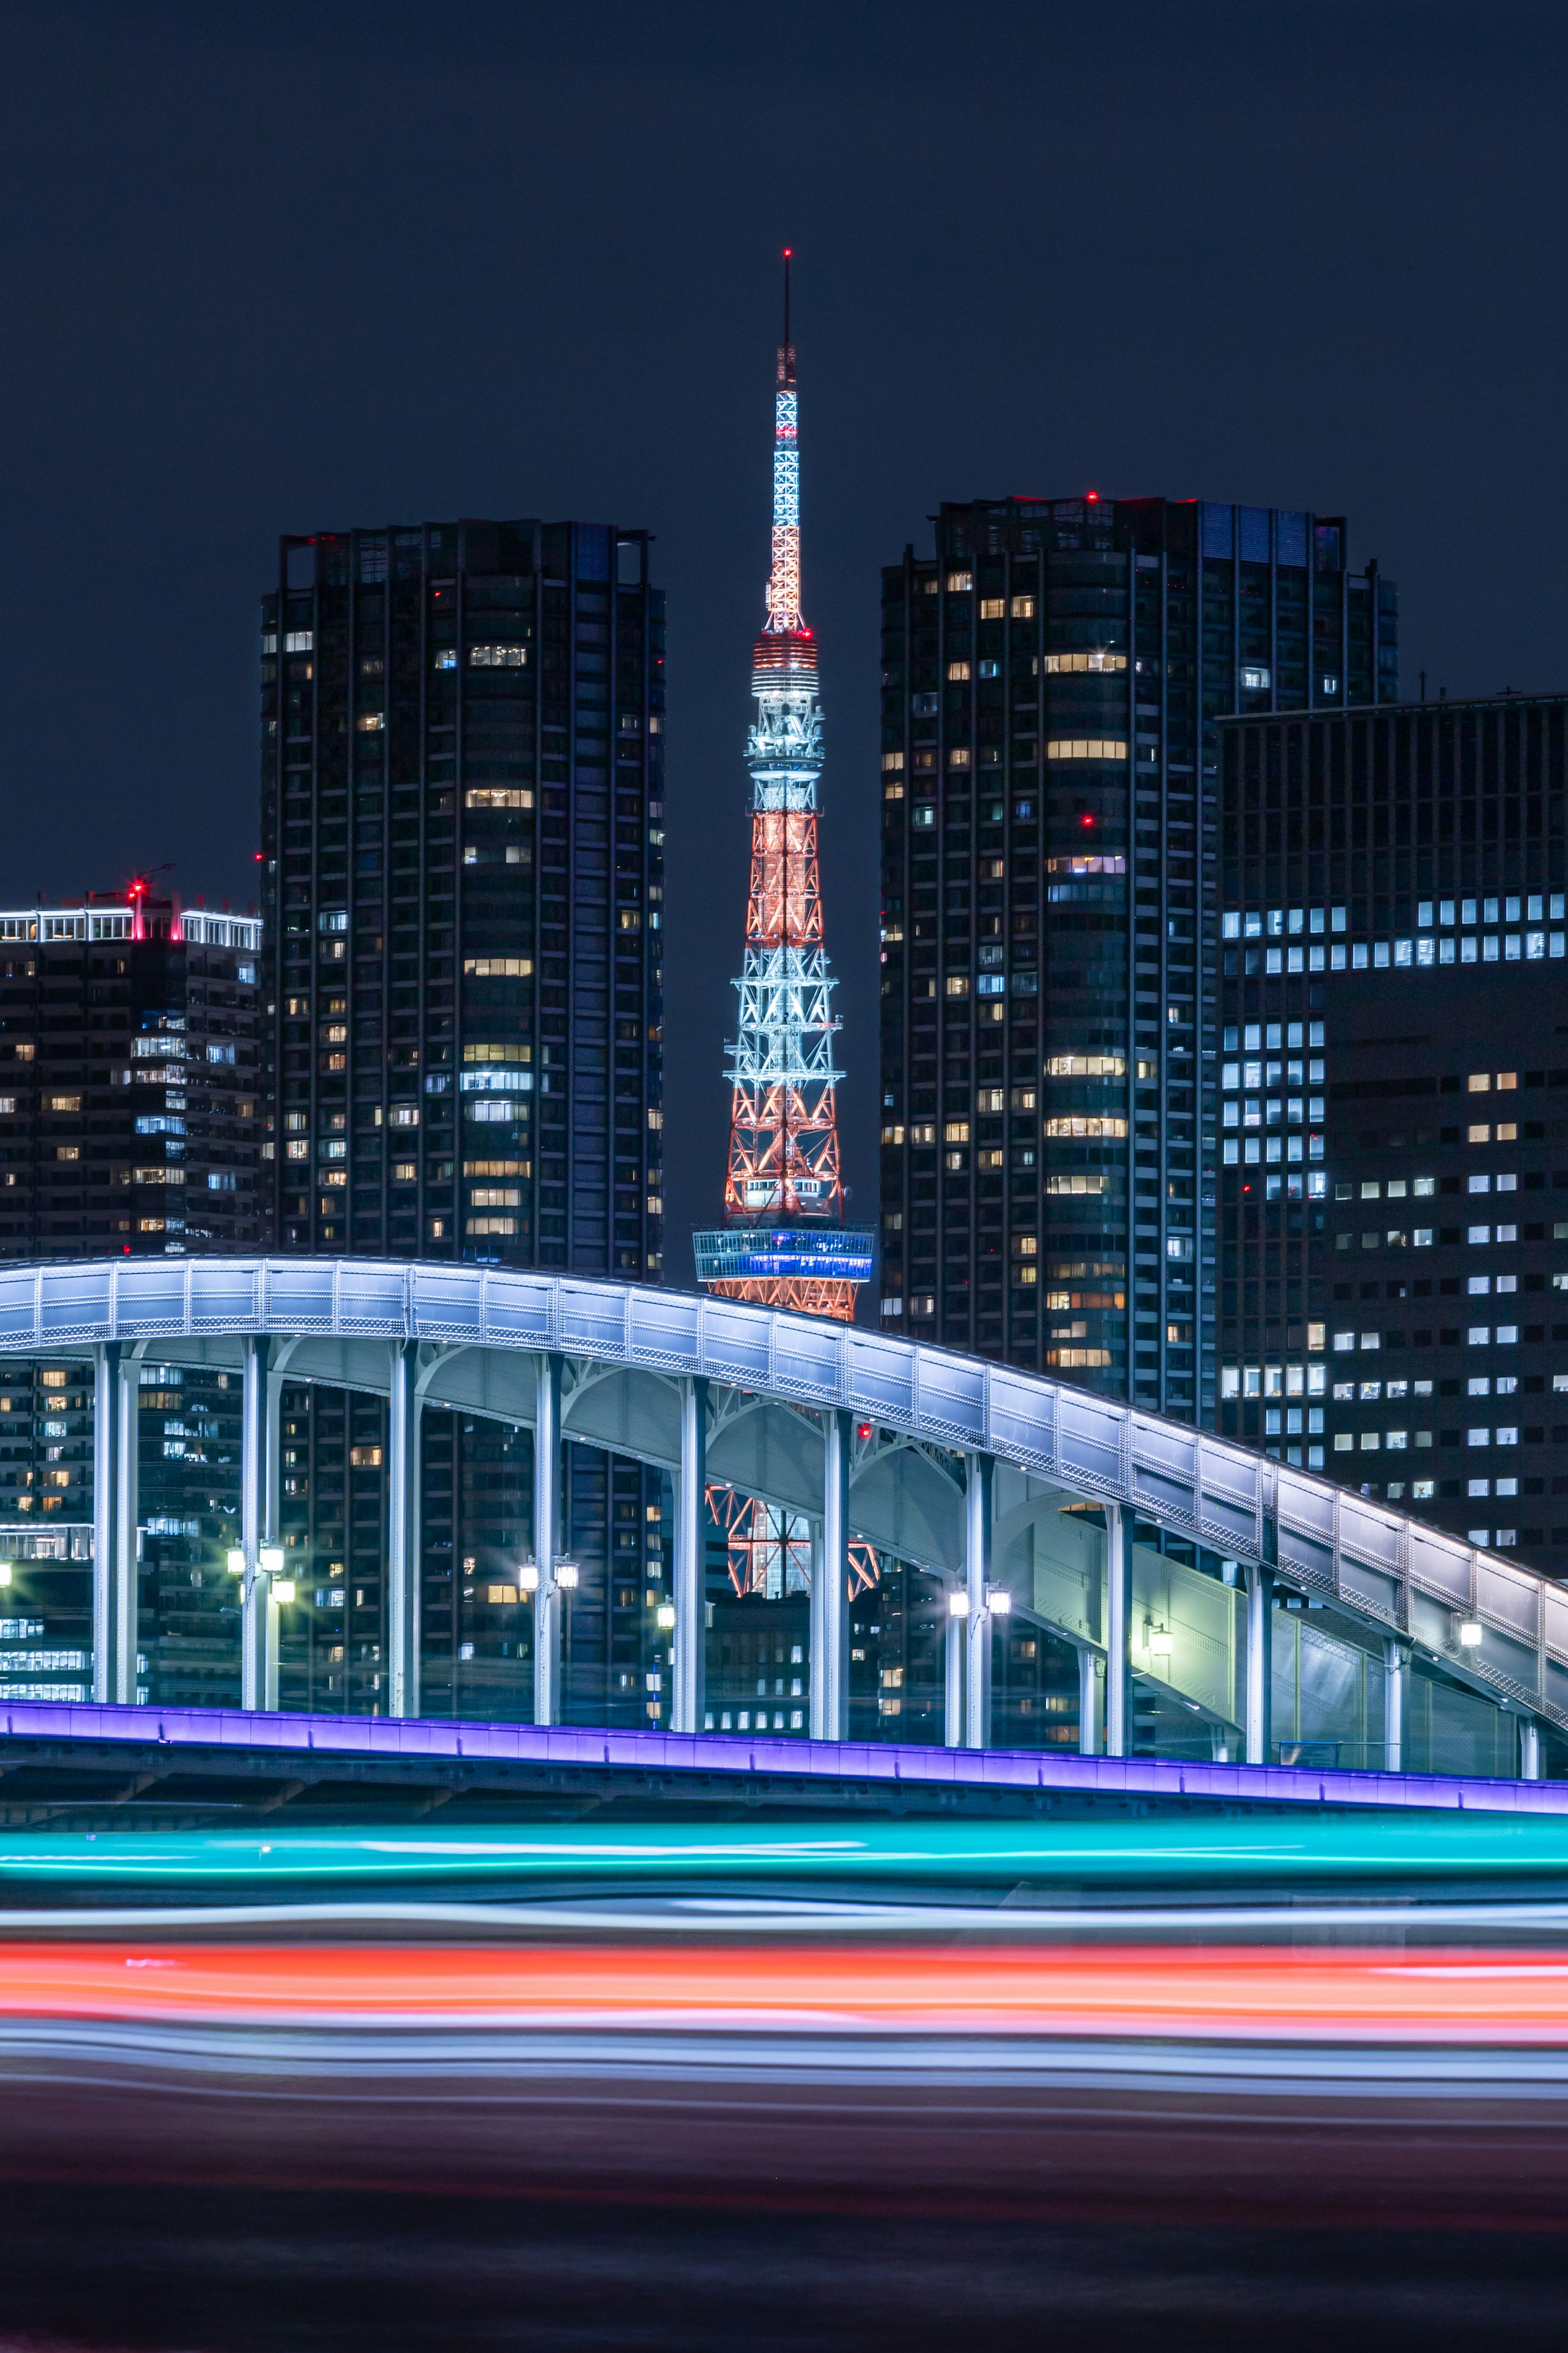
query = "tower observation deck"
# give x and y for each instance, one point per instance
(783, 1240)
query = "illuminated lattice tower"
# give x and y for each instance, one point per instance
(783, 1237)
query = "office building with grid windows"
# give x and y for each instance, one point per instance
(462, 836)
(1053, 675)
(1394, 1107)
(131, 1107)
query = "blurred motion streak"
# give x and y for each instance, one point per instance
(1287, 2016)
(1468, 1998)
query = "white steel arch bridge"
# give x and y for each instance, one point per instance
(1016, 1492)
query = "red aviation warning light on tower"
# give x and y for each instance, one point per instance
(783, 1239)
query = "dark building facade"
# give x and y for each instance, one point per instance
(130, 1108)
(1052, 679)
(462, 837)
(1394, 1091)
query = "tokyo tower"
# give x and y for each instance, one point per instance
(783, 1239)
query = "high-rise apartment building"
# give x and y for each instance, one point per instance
(129, 1111)
(1394, 1124)
(1051, 684)
(462, 831)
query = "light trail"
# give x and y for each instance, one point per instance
(1346, 1995)
(1187, 1855)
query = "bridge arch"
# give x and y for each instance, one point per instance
(1016, 1491)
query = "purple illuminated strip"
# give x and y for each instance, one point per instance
(663, 1752)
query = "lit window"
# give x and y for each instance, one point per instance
(498, 657)
(498, 968)
(1023, 608)
(1086, 747)
(956, 1131)
(1084, 1126)
(1086, 1066)
(491, 1226)
(993, 608)
(371, 723)
(957, 983)
(960, 583)
(1055, 665)
(498, 797)
(1253, 680)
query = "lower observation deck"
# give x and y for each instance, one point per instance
(813, 1269)
(783, 1253)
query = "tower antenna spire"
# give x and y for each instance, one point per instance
(783, 1237)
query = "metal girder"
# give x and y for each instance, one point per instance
(1381, 1569)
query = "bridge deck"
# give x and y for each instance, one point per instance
(59, 1761)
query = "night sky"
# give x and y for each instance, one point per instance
(302, 266)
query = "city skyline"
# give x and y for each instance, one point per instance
(158, 444)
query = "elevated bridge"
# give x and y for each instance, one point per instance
(1014, 1492)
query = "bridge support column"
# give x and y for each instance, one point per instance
(272, 1513)
(114, 1482)
(1087, 1704)
(1529, 1749)
(688, 1651)
(829, 1588)
(1118, 1634)
(403, 1547)
(953, 1631)
(1395, 1662)
(1259, 1663)
(976, 1578)
(257, 1607)
(547, 1604)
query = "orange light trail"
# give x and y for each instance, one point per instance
(1367, 1995)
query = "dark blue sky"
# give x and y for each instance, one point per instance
(304, 266)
